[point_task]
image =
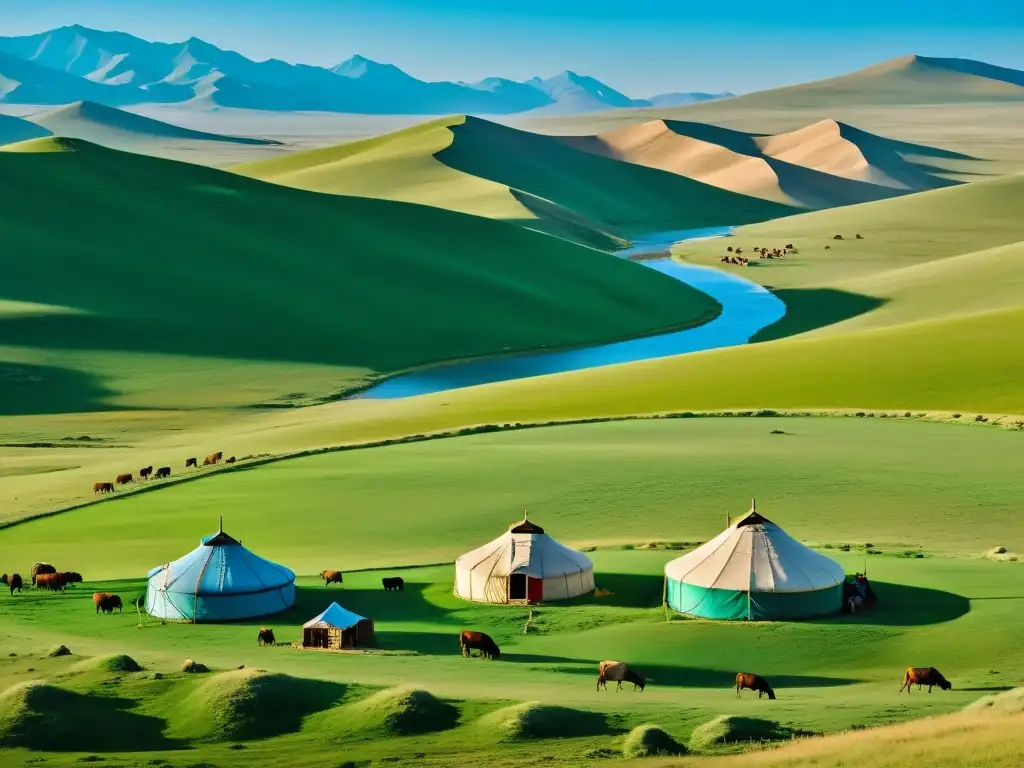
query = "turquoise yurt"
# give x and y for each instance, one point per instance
(220, 580)
(754, 571)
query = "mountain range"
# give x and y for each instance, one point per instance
(74, 64)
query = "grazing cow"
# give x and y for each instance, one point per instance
(103, 488)
(125, 479)
(333, 577)
(790, 246)
(265, 637)
(51, 581)
(71, 578)
(190, 463)
(106, 602)
(396, 583)
(210, 460)
(230, 460)
(617, 672)
(163, 472)
(38, 568)
(145, 472)
(15, 582)
(469, 640)
(754, 683)
(929, 676)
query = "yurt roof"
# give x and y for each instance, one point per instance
(221, 565)
(756, 555)
(525, 549)
(336, 617)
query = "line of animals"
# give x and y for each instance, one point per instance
(162, 472)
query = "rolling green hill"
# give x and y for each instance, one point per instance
(479, 167)
(135, 280)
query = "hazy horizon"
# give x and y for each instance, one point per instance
(640, 47)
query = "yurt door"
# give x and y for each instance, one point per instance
(517, 586)
(535, 590)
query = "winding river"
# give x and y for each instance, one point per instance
(746, 309)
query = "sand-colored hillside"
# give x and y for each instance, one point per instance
(480, 167)
(822, 165)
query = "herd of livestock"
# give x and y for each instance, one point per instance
(768, 253)
(161, 472)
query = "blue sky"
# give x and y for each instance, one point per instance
(642, 47)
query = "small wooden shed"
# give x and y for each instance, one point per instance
(337, 628)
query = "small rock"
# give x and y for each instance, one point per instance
(60, 650)
(158, 675)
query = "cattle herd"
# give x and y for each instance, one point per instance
(763, 253)
(161, 473)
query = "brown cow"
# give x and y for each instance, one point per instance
(754, 683)
(163, 472)
(71, 577)
(15, 582)
(51, 581)
(468, 640)
(929, 676)
(332, 577)
(125, 479)
(106, 602)
(38, 568)
(393, 583)
(266, 637)
(190, 463)
(211, 459)
(617, 671)
(145, 472)
(103, 488)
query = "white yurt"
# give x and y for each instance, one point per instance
(523, 565)
(754, 570)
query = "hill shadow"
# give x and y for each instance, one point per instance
(67, 721)
(31, 390)
(900, 605)
(811, 308)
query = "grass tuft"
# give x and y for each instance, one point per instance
(650, 741)
(733, 729)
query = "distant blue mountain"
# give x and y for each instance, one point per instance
(73, 64)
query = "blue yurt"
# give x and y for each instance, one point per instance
(220, 580)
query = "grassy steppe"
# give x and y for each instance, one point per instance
(416, 695)
(164, 284)
(590, 484)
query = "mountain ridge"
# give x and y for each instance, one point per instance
(75, 63)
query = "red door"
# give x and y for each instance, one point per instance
(535, 590)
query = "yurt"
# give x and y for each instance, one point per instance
(755, 571)
(337, 628)
(524, 565)
(220, 580)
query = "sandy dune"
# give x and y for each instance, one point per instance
(822, 165)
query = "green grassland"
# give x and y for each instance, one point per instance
(479, 167)
(164, 284)
(414, 694)
(598, 484)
